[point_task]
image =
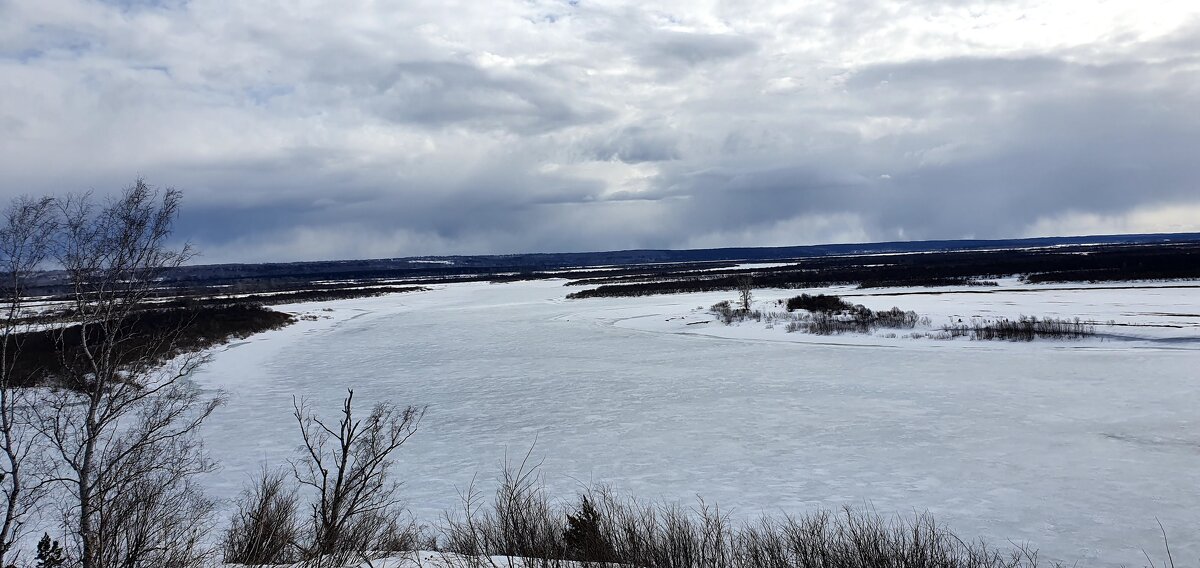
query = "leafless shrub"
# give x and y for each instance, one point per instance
(156, 520)
(264, 529)
(403, 534)
(724, 312)
(346, 465)
(824, 323)
(855, 538)
(896, 318)
(523, 526)
(1024, 328)
(728, 314)
(520, 522)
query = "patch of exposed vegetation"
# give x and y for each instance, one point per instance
(523, 525)
(1024, 328)
(601, 528)
(927, 283)
(818, 303)
(827, 314)
(318, 295)
(822, 315)
(157, 333)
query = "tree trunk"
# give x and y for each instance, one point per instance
(89, 556)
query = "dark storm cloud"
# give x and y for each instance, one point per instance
(1010, 141)
(492, 201)
(436, 94)
(1038, 135)
(672, 48)
(636, 144)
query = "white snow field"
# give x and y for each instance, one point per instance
(1079, 449)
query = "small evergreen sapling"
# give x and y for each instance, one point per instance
(49, 553)
(582, 536)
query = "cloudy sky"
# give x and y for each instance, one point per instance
(310, 129)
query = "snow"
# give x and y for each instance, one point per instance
(433, 559)
(1077, 448)
(1158, 313)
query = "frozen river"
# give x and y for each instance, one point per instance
(1075, 449)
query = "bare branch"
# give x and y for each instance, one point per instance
(124, 427)
(348, 465)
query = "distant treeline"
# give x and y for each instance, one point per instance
(1074, 263)
(1067, 264)
(203, 322)
(266, 292)
(686, 285)
(1118, 274)
(320, 295)
(927, 283)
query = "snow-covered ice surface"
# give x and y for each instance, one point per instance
(1077, 448)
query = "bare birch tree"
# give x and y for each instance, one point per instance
(123, 422)
(25, 238)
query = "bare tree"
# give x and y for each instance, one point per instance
(25, 238)
(347, 465)
(123, 424)
(745, 292)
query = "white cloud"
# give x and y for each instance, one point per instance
(802, 230)
(1173, 218)
(552, 125)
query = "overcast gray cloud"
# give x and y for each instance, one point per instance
(335, 130)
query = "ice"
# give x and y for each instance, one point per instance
(1077, 448)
